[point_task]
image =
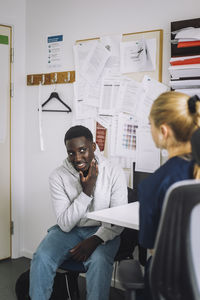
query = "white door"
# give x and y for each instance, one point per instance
(5, 195)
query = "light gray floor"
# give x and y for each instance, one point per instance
(10, 269)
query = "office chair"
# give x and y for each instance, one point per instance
(174, 273)
(175, 266)
(129, 240)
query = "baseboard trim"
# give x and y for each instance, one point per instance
(26, 253)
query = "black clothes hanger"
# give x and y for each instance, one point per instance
(55, 95)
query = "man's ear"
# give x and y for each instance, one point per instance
(93, 146)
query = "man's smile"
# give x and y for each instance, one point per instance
(80, 165)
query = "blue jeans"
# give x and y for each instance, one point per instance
(54, 249)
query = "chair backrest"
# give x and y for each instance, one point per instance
(175, 267)
(138, 176)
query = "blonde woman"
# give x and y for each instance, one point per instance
(173, 118)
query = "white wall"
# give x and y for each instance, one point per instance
(13, 13)
(75, 20)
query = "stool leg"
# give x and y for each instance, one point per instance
(67, 285)
(75, 295)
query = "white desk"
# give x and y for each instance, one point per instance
(124, 215)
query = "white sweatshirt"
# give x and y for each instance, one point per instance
(71, 204)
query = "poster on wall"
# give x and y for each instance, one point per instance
(55, 51)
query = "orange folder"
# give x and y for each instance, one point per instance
(188, 44)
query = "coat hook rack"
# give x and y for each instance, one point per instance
(51, 78)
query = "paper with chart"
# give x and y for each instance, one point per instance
(126, 136)
(113, 135)
(147, 155)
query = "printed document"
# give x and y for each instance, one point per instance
(138, 56)
(130, 94)
(153, 89)
(81, 51)
(82, 111)
(126, 136)
(147, 155)
(109, 95)
(95, 62)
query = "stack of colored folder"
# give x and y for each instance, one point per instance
(184, 66)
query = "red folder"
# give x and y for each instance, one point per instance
(188, 44)
(188, 61)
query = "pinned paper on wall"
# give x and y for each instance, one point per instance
(81, 51)
(55, 51)
(126, 137)
(108, 96)
(153, 89)
(138, 56)
(147, 155)
(112, 44)
(82, 110)
(119, 96)
(95, 62)
(130, 94)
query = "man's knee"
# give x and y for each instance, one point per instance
(41, 257)
(101, 259)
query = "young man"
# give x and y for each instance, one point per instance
(85, 182)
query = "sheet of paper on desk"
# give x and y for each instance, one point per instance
(147, 155)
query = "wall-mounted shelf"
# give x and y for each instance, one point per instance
(51, 78)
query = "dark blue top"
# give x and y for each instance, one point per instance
(151, 193)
